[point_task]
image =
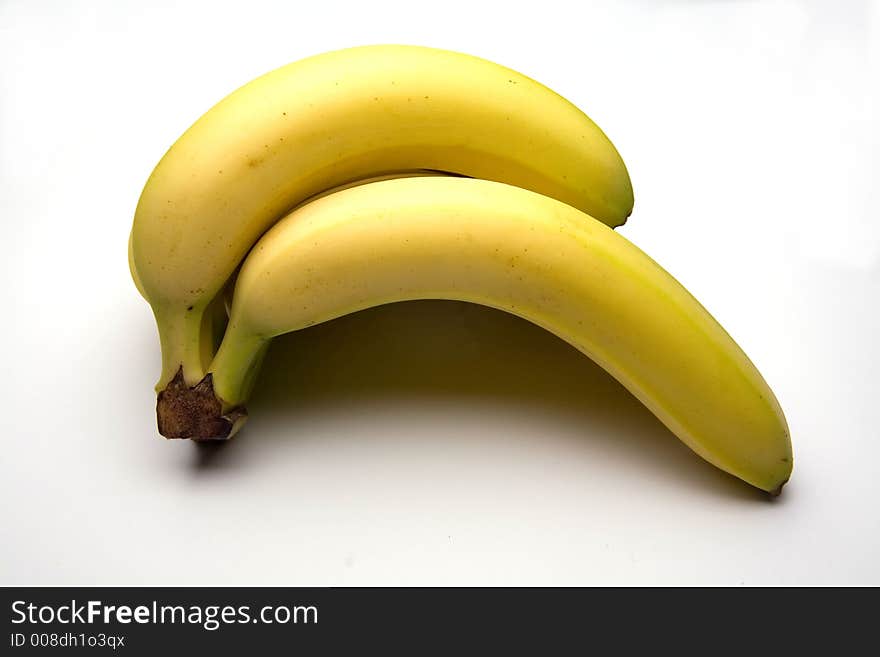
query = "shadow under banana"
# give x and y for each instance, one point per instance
(405, 354)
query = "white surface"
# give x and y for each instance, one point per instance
(438, 443)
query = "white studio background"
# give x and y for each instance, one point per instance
(440, 443)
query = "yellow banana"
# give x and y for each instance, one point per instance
(334, 118)
(508, 248)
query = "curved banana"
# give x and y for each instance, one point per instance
(337, 117)
(508, 248)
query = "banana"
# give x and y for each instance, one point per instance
(335, 118)
(508, 248)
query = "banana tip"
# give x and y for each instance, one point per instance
(776, 492)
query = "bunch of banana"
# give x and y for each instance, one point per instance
(316, 191)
